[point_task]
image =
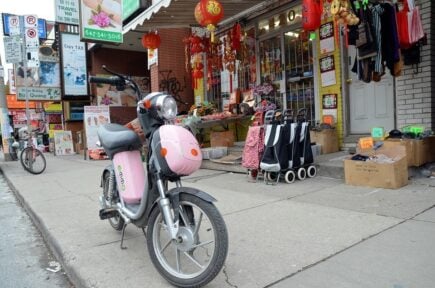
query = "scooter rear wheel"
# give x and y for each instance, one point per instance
(116, 222)
(199, 251)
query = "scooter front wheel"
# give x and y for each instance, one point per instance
(199, 251)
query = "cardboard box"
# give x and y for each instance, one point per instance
(225, 139)
(409, 151)
(327, 138)
(382, 175)
(424, 150)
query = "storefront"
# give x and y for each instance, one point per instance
(294, 69)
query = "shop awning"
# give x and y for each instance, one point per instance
(180, 13)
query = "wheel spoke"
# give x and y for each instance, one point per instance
(193, 260)
(177, 258)
(183, 216)
(166, 246)
(202, 244)
(198, 224)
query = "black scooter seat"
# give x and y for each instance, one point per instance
(116, 138)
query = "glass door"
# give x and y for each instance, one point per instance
(299, 74)
(270, 52)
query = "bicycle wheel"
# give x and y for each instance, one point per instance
(33, 160)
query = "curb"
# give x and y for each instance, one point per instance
(49, 240)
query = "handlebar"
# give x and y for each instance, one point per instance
(112, 80)
(118, 80)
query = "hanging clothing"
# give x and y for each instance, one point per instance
(390, 37)
(377, 11)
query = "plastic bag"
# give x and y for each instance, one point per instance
(416, 32)
(409, 24)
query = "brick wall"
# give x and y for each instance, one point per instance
(172, 58)
(415, 99)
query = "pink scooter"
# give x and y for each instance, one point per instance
(186, 235)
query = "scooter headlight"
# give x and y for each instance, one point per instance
(167, 107)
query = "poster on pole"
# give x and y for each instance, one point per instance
(13, 53)
(101, 21)
(73, 54)
(67, 11)
(63, 144)
(94, 116)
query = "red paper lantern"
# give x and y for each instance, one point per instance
(208, 13)
(151, 41)
(311, 14)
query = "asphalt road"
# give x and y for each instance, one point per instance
(25, 260)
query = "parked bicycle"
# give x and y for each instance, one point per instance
(32, 159)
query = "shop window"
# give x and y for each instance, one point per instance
(299, 72)
(270, 67)
(221, 83)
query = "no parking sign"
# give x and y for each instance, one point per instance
(32, 40)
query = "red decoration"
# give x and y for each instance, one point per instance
(151, 41)
(311, 14)
(208, 13)
(236, 37)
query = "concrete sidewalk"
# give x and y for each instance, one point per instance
(313, 233)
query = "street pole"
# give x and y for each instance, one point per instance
(4, 117)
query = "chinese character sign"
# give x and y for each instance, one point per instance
(326, 35)
(327, 71)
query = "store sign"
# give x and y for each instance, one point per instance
(101, 21)
(129, 7)
(38, 94)
(74, 65)
(67, 11)
(153, 57)
(12, 46)
(39, 83)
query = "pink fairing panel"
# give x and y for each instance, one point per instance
(183, 155)
(130, 175)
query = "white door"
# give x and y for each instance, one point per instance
(371, 104)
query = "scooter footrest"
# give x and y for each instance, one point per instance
(107, 213)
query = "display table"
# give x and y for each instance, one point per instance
(239, 124)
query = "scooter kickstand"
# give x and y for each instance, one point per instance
(122, 237)
(144, 232)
